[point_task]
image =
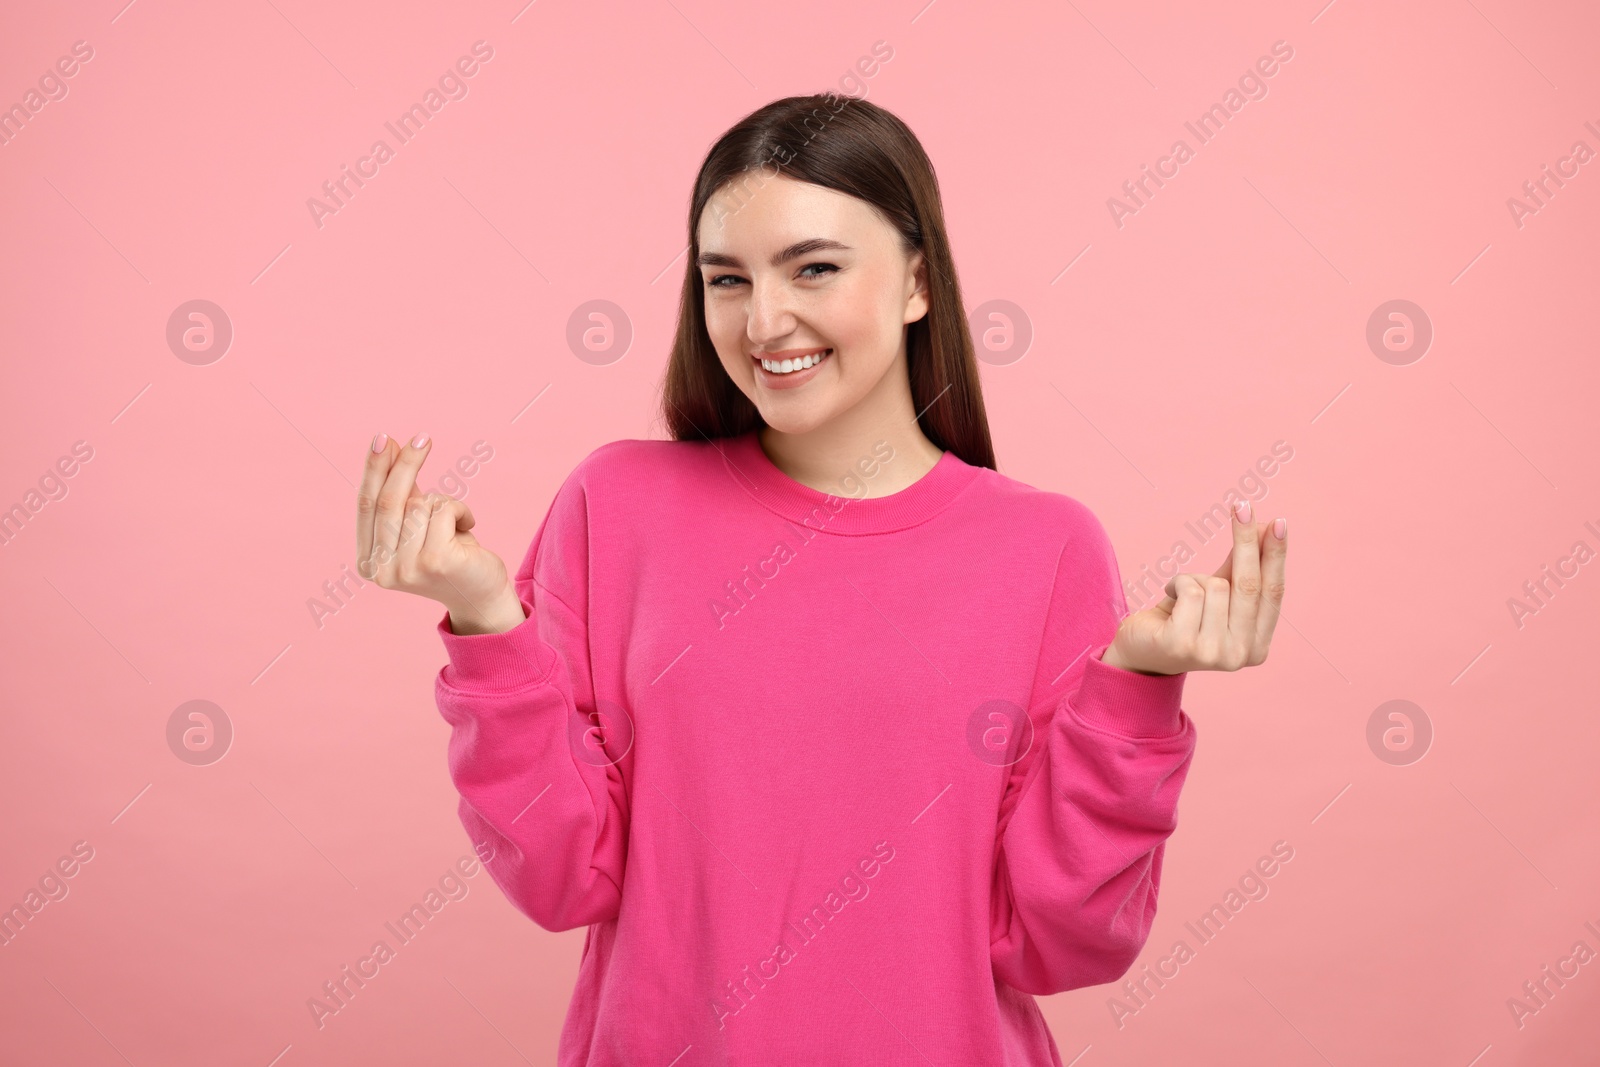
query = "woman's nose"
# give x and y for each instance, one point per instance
(770, 316)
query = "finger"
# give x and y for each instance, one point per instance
(414, 530)
(1274, 558)
(1215, 639)
(1188, 605)
(373, 474)
(459, 512)
(444, 522)
(1244, 594)
(395, 497)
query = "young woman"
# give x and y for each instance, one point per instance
(838, 741)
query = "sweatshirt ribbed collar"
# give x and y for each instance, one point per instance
(927, 496)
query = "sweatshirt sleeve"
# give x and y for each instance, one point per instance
(1086, 812)
(531, 755)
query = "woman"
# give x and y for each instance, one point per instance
(836, 739)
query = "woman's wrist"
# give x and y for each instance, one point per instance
(1111, 658)
(503, 613)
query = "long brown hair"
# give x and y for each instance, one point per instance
(858, 148)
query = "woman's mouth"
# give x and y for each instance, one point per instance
(781, 370)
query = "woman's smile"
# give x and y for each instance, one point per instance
(790, 368)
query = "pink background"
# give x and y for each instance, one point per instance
(1228, 314)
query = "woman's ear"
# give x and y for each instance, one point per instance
(917, 301)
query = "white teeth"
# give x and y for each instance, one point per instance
(789, 366)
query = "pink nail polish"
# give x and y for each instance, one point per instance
(1280, 528)
(1242, 511)
(420, 440)
(380, 442)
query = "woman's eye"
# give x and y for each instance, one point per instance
(728, 281)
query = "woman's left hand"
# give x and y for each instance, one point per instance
(1216, 622)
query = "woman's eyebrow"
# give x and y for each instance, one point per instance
(794, 251)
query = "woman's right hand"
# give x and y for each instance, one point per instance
(418, 543)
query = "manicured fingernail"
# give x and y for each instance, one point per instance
(380, 442)
(419, 440)
(1242, 511)
(1280, 528)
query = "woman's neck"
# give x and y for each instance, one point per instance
(885, 459)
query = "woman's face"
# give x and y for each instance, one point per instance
(792, 270)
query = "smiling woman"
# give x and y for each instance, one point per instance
(729, 772)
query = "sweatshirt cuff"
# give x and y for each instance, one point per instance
(509, 660)
(1126, 702)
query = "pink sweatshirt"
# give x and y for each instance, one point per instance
(829, 780)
